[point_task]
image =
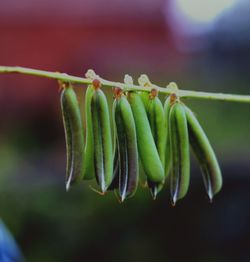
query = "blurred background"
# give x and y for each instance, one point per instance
(202, 45)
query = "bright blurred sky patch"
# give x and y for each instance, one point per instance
(204, 11)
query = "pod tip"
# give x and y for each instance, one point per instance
(123, 197)
(102, 192)
(210, 199)
(154, 192)
(210, 195)
(117, 197)
(67, 185)
(104, 187)
(174, 200)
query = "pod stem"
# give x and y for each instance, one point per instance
(126, 87)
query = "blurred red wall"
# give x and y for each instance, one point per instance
(72, 36)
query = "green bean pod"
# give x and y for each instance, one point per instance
(149, 156)
(144, 97)
(115, 180)
(179, 143)
(74, 136)
(143, 178)
(156, 119)
(103, 154)
(89, 168)
(167, 107)
(127, 148)
(205, 155)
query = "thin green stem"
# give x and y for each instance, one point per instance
(126, 87)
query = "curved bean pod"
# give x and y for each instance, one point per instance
(205, 155)
(74, 136)
(144, 97)
(89, 168)
(156, 119)
(147, 150)
(115, 181)
(103, 154)
(127, 148)
(179, 144)
(167, 107)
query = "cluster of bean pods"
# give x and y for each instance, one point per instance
(148, 140)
